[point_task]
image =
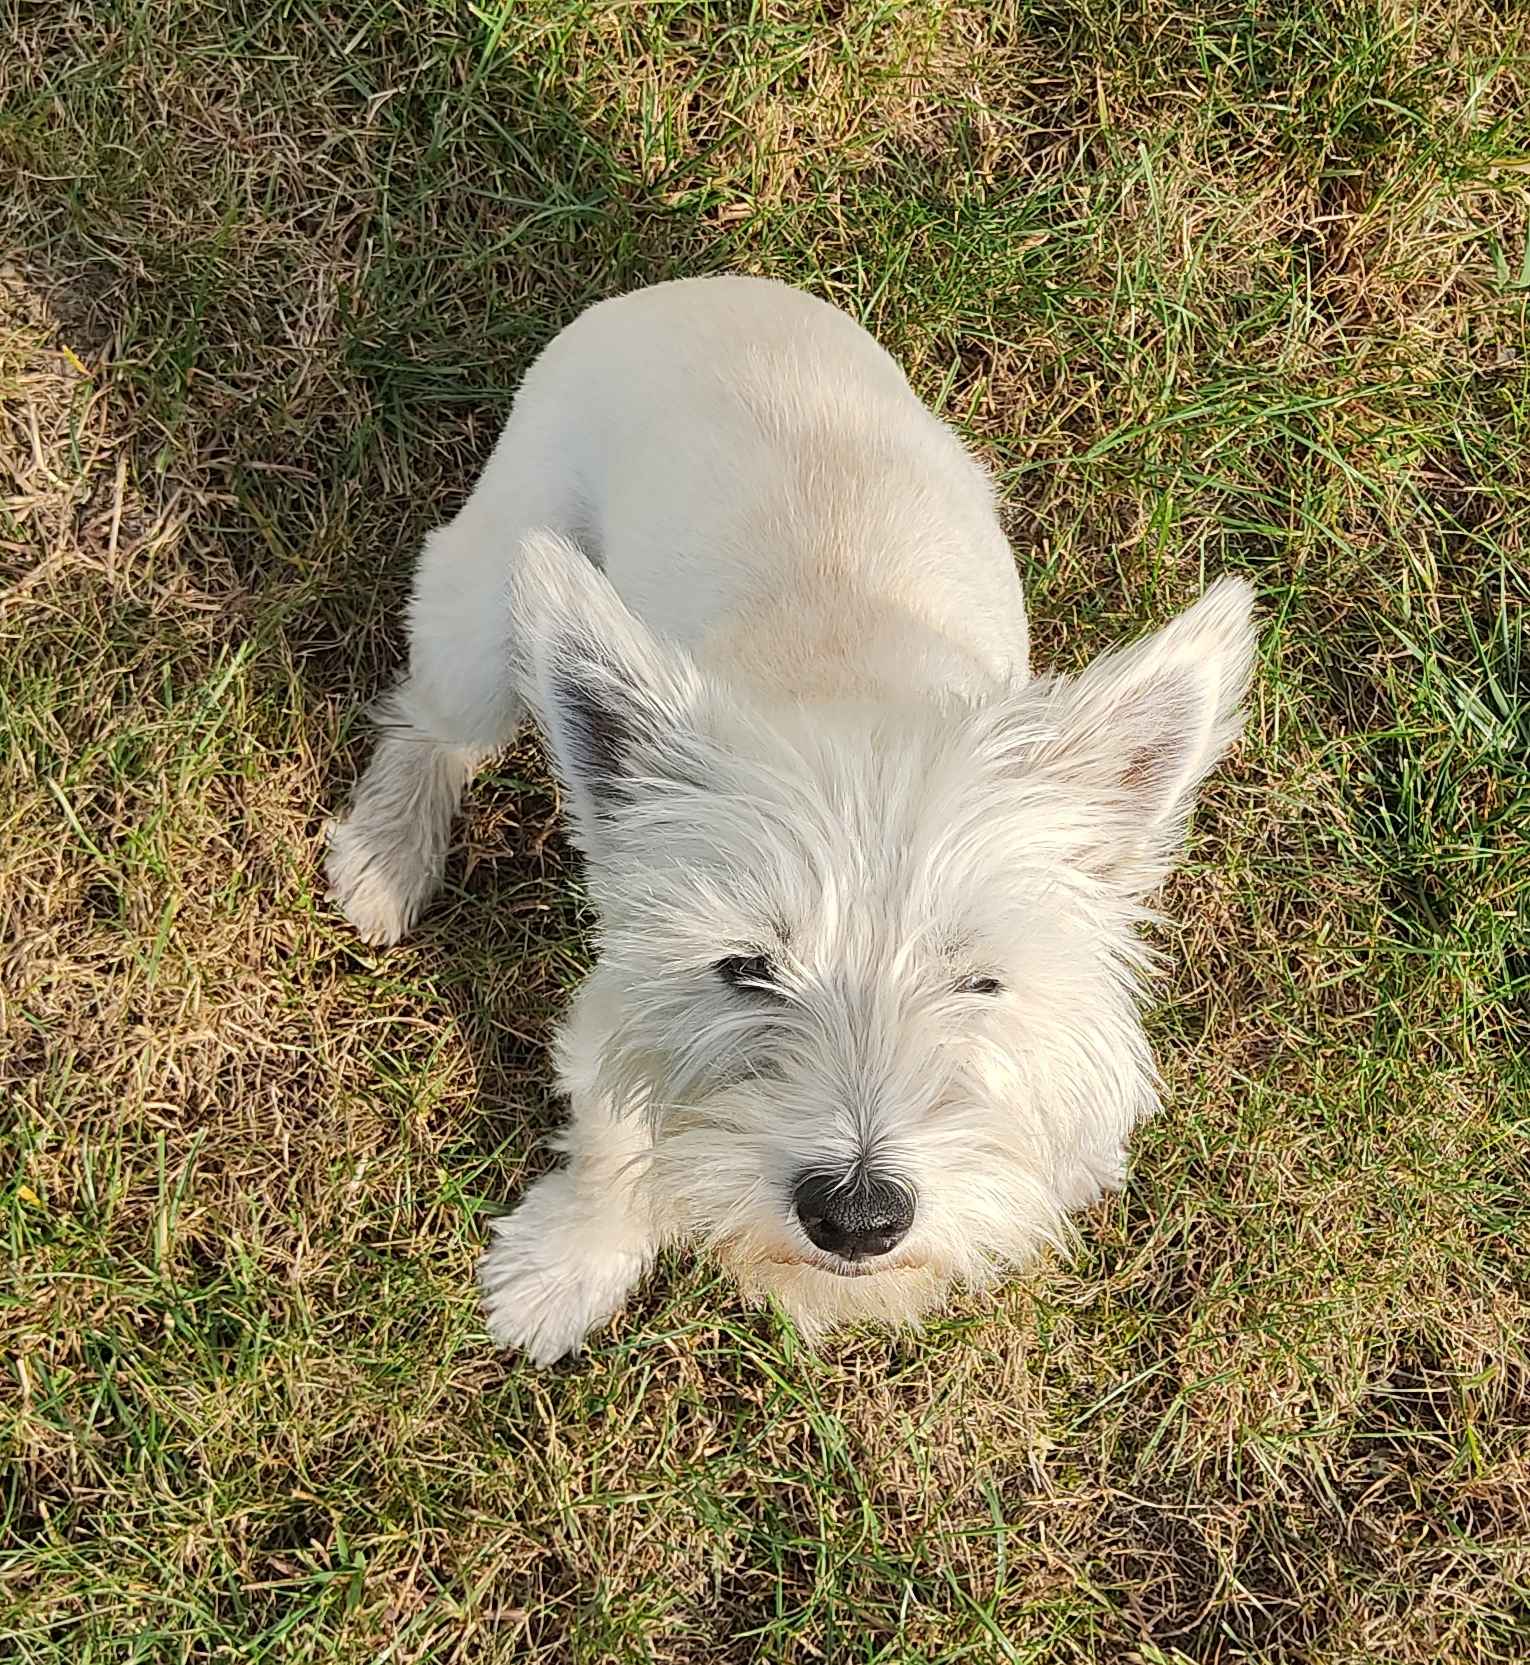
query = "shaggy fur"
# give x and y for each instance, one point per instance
(760, 605)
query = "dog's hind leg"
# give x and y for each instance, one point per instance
(456, 706)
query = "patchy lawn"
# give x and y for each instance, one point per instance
(1215, 286)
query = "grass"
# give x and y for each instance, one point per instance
(1213, 286)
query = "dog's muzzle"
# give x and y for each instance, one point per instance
(856, 1219)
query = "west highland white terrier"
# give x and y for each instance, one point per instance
(864, 1018)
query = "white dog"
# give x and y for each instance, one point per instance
(863, 1021)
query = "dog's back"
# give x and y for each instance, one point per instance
(759, 483)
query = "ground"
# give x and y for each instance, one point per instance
(1212, 287)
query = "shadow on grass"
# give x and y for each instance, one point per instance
(311, 425)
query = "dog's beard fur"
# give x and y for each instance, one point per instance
(878, 859)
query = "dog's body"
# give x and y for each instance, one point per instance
(863, 1019)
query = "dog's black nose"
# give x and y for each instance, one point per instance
(856, 1218)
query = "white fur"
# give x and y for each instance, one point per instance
(760, 604)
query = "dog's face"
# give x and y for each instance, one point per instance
(874, 967)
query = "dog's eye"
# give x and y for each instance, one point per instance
(980, 983)
(751, 972)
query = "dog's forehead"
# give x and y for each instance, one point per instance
(875, 839)
(848, 815)
(874, 885)
(874, 772)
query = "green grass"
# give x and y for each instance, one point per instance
(1219, 287)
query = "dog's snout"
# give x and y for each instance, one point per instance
(855, 1219)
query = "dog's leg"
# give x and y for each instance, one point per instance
(567, 1257)
(456, 707)
(386, 858)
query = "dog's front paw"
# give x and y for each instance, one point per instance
(554, 1271)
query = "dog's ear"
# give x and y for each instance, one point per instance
(1139, 730)
(610, 697)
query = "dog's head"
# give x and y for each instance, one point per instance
(875, 965)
